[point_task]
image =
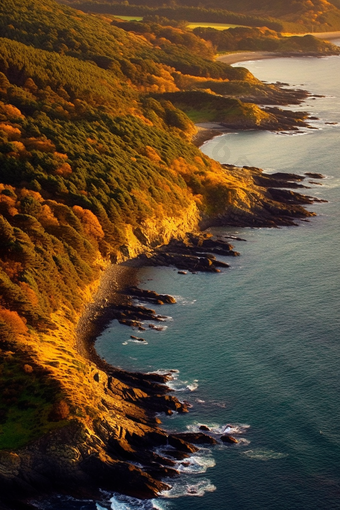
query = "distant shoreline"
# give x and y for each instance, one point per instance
(243, 56)
(208, 130)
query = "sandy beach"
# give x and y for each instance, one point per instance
(244, 56)
(233, 58)
(94, 318)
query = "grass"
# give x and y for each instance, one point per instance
(26, 399)
(129, 18)
(191, 26)
(217, 26)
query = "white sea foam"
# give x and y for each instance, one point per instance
(184, 301)
(182, 386)
(197, 464)
(133, 341)
(181, 489)
(216, 429)
(264, 454)
(121, 502)
(236, 428)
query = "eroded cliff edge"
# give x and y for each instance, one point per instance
(96, 167)
(104, 423)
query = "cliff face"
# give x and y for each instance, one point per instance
(103, 420)
(95, 169)
(156, 231)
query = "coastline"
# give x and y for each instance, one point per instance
(208, 130)
(93, 320)
(114, 279)
(243, 56)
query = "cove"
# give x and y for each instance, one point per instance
(256, 346)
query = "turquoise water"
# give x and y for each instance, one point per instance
(257, 346)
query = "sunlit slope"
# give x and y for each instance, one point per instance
(312, 15)
(96, 166)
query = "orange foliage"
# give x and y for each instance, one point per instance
(39, 145)
(30, 193)
(138, 115)
(199, 160)
(10, 111)
(31, 85)
(181, 166)
(64, 169)
(151, 154)
(7, 205)
(13, 321)
(30, 294)
(89, 221)
(19, 146)
(60, 155)
(12, 132)
(46, 216)
(12, 268)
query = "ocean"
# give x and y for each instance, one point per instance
(256, 348)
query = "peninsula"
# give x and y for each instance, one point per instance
(97, 166)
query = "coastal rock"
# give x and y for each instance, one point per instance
(315, 175)
(204, 427)
(150, 295)
(138, 338)
(180, 444)
(196, 438)
(226, 438)
(194, 254)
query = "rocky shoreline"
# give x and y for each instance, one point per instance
(116, 452)
(121, 454)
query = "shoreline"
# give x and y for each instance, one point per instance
(92, 322)
(244, 56)
(208, 130)
(114, 279)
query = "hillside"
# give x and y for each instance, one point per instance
(97, 166)
(292, 16)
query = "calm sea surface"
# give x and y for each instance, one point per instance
(257, 346)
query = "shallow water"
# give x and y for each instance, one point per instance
(257, 345)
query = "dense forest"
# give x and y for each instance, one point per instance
(293, 16)
(97, 165)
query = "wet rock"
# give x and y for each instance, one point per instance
(194, 254)
(150, 295)
(226, 438)
(181, 444)
(178, 455)
(139, 339)
(204, 427)
(196, 438)
(156, 328)
(314, 175)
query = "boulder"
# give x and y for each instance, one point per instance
(226, 438)
(181, 444)
(196, 438)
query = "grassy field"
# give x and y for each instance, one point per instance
(191, 26)
(217, 26)
(130, 18)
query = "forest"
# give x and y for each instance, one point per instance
(93, 150)
(290, 16)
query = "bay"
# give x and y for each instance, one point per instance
(257, 346)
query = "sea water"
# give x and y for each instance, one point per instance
(256, 348)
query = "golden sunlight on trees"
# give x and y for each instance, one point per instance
(90, 222)
(15, 324)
